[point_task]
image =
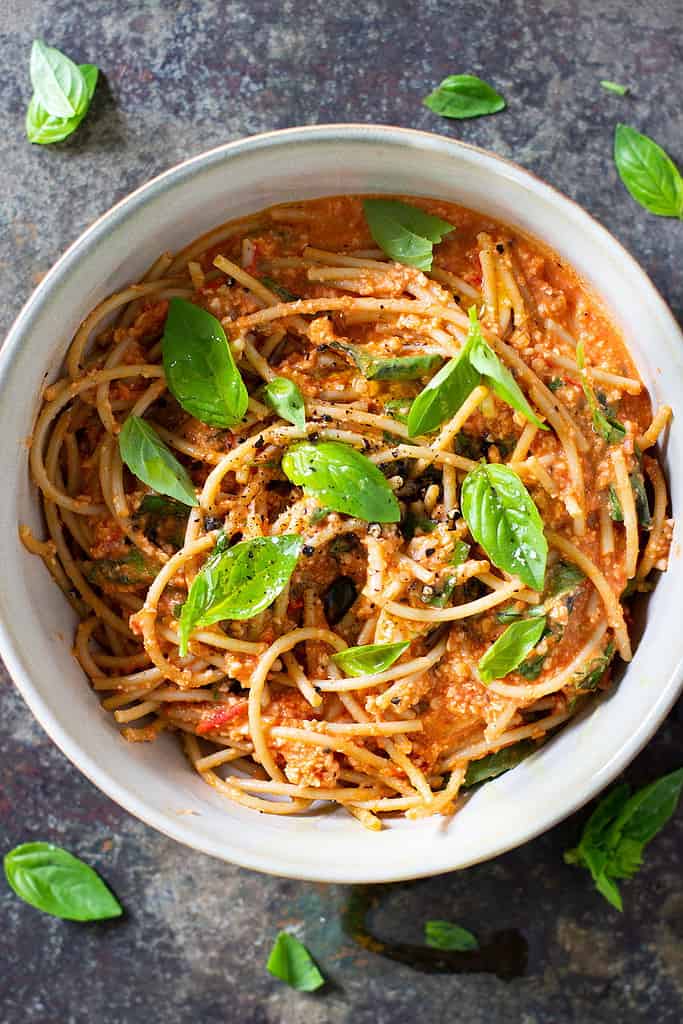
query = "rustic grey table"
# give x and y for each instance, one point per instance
(179, 77)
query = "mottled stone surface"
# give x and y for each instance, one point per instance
(180, 77)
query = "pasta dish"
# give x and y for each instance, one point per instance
(351, 495)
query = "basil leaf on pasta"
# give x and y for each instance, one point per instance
(443, 395)
(461, 96)
(342, 479)
(146, 455)
(497, 376)
(238, 582)
(510, 649)
(369, 658)
(56, 882)
(445, 935)
(405, 233)
(604, 423)
(648, 172)
(199, 366)
(493, 765)
(58, 84)
(374, 367)
(284, 397)
(291, 962)
(43, 128)
(502, 517)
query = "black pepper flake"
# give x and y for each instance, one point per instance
(429, 552)
(315, 436)
(259, 443)
(326, 418)
(500, 247)
(308, 549)
(212, 523)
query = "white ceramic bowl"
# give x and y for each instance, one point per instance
(154, 781)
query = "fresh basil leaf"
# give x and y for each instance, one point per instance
(369, 658)
(151, 461)
(445, 935)
(510, 649)
(497, 376)
(285, 398)
(460, 553)
(56, 882)
(493, 765)
(461, 96)
(199, 366)
(412, 523)
(441, 595)
(291, 962)
(343, 479)
(619, 90)
(58, 83)
(531, 668)
(647, 811)
(134, 569)
(562, 578)
(158, 507)
(641, 500)
(374, 367)
(398, 409)
(615, 510)
(604, 423)
(502, 517)
(404, 232)
(279, 289)
(43, 128)
(238, 582)
(444, 394)
(556, 383)
(648, 173)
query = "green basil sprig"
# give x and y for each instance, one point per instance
(493, 765)
(369, 658)
(448, 389)
(151, 461)
(604, 423)
(511, 648)
(615, 87)
(649, 174)
(404, 232)
(593, 672)
(616, 834)
(342, 479)
(398, 409)
(284, 397)
(461, 96)
(502, 517)
(374, 367)
(238, 582)
(58, 83)
(446, 935)
(56, 882)
(291, 962)
(44, 128)
(199, 366)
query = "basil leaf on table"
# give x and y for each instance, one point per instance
(619, 90)
(58, 84)
(615, 836)
(405, 233)
(291, 962)
(604, 423)
(238, 582)
(502, 517)
(146, 455)
(199, 366)
(493, 765)
(342, 479)
(374, 367)
(461, 96)
(43, 128)
(510, 649)
(445, 935)
(648, 173)
(444, 394)
(495, 374)
(369, 658)
(56, 882)
(284, 397)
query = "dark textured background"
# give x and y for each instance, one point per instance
(179, 77)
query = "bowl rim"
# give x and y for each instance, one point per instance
(10, 652)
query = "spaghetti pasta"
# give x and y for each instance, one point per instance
(266, 715)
